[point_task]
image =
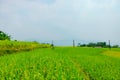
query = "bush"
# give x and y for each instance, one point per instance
(4, 36)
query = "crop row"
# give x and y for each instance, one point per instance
(63, 63)
(42, 64)
(95, 64)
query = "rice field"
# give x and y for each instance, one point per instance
(61, 63)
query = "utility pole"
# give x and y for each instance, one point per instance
(73, 43)
(109, 45)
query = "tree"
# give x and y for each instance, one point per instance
(4, 36)
(91, 44)
(83, 45)
(115, 46)
(101, 44)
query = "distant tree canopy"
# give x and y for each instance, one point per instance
(91, 44)
(98, 44)
(4, 36)
(115, 46)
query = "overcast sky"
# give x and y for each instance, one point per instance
(97, 20)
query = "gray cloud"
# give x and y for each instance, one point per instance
(61, 19)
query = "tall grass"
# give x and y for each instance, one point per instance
(16, 46)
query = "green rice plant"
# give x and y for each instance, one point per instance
(61, 63)
(95, 64)
(38, 64)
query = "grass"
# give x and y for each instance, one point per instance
(115, 54)
(96, 65)
(17, 46)
(63, 63)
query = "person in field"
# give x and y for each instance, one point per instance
(52, 46)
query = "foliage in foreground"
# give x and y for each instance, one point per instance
(38, 65)
(60, 64)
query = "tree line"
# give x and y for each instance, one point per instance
(98, 44)
(4, 36)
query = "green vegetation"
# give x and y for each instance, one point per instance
(16, 46)
(98, 44)
(63, 63)
(112, 53)
(4, 36)
(98, 66)
(7, 46)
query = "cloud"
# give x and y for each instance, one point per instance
(61, 19)
(106, 4)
